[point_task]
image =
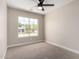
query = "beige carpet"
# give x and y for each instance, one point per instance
(39, 51)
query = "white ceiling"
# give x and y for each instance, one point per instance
(29, 5)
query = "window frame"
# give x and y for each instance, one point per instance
(30, 33)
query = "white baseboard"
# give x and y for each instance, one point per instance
(27, 43)
(68, 49)
(4, 57)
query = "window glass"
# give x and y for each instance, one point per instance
(27, 27)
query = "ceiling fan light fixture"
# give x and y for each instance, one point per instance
(39, 7)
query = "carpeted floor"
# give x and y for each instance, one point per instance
(39, 51)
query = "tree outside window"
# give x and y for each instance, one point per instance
(27, 27)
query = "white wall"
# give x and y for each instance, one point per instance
(3, 28)
(13, 29)
(62, 26)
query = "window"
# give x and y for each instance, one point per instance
(27, 27)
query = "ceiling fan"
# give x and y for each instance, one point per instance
(41, 4)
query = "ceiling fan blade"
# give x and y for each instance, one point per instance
(41, 1)
(47, 4)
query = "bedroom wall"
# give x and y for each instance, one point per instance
(62, 26)
(13, 29)
(3, 28)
